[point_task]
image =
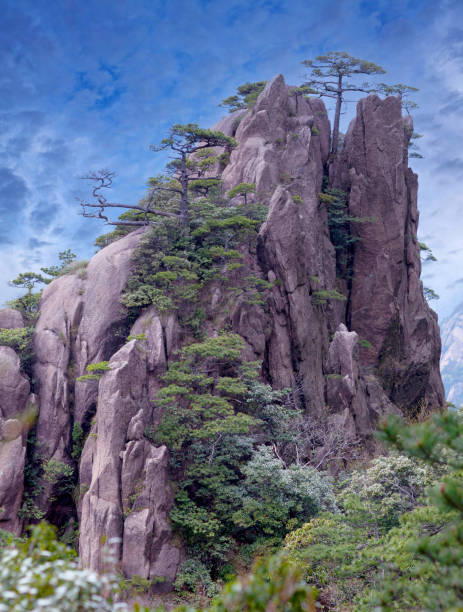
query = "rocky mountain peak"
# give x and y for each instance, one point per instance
(343, 324)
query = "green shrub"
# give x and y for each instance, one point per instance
(170, 270)
(341, 224)
(245, 97)
(95, 371)
(364, 344)
(194, 577)
(276, 584)
(276, 497)
(322, 296)
(21, 341)
(28, 306)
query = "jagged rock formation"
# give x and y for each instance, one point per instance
(128, 497)
(386, 304)
(305, 342)
(81, 322)
(356, 401)
(452, 356)
(283, 149)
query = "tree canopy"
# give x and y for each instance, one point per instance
(245, 97)
(190, 165)
(328, 78)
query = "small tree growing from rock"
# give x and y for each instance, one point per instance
(182, 172)
(245, 97)
(243, 190)
(328, 78)
(400, 90)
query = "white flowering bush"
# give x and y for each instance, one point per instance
(390, 486)
(41, 574)
(275, 497)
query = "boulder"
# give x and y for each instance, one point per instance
(14, 386)
(14, 399)
(10, 319)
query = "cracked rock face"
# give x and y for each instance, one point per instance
(80, 315)
(129, 497)
(386, 304)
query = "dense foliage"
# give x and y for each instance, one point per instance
(396, 543)
(172, 270)
(389, 539)
(231, 490)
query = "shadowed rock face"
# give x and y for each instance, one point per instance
(356, 401)
(304, 341)
(386, 304)
(14, 396)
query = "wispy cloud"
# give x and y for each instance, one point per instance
(86, 85)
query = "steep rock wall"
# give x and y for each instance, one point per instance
(80, 315)
(283, 147)
(386, 304)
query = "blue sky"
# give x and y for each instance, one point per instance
(91, 84)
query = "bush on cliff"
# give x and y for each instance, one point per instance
(397, 543)
(224, 431)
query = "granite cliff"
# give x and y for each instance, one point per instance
(355, 345)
